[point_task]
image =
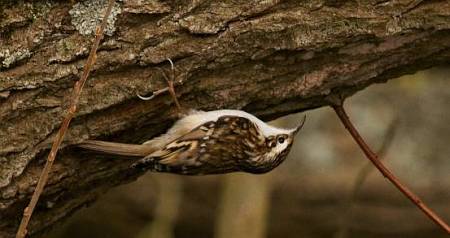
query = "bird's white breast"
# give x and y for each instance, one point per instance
(197, 118)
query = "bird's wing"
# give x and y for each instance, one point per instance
(213, 147)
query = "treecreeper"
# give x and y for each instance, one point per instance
(208, 142)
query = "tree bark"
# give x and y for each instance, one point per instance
(269, 58)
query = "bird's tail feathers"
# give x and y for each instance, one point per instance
(117, 148)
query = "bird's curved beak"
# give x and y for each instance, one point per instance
(299, 127)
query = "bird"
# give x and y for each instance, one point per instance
(208, 142)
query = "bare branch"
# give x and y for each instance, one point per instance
(360, 178)
(22, 231)
(339, 109)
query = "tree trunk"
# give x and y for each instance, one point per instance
(269, 58)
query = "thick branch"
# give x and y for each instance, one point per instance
(270, 58)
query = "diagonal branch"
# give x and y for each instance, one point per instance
(22, 231)
(361, 178)
(340, 111)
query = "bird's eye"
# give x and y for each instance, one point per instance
(281, 140)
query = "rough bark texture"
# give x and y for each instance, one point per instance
(270, 58)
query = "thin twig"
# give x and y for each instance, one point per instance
(28, 211)
(170, 80)
(361, 178)
(154, 94)
(339, 109)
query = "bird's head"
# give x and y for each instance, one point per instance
(278, 146)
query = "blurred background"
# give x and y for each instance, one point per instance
(325, 188)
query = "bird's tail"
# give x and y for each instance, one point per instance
(117, 148)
